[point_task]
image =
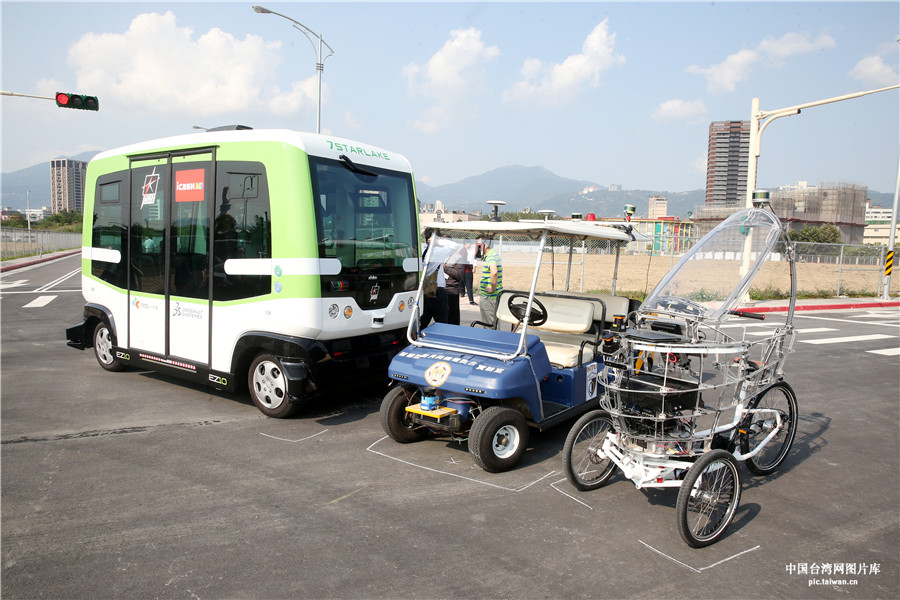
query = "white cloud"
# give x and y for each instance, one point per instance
(679, 110)
(737, 67)
(160, 68)
(351, 121)
(872, 70)
(449, 78)
(558, 83)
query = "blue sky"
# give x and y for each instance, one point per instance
(613, 93)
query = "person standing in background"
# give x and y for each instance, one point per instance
(491, 283)
(454, 275)
(435, 307)
(468, 273)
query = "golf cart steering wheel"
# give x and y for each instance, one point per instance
(538, 314)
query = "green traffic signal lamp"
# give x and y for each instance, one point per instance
(79, 101)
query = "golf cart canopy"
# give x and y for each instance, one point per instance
(581, 230)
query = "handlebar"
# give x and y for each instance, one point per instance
(748, 315)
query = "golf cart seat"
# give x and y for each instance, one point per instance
(562, 334)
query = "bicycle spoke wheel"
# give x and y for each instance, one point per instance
(585, 468)
(709, 495)
(779, 397)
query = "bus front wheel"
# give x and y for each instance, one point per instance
(103, 349)
(268, 387)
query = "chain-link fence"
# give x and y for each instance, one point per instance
(822, 269)
(16, 242)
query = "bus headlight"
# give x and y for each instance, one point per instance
(333, 311)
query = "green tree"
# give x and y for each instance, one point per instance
(64, 220)
(16, 219)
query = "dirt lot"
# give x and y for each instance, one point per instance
(640, 273)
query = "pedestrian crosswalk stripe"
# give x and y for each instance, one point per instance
(40, 301)
(886, 351)
(852, 338)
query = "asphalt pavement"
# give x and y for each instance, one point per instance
(135, 485)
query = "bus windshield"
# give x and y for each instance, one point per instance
(366, 218)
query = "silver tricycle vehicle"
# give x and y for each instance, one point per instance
(691, 389)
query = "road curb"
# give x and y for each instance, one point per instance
(36, 261)
(836, 306)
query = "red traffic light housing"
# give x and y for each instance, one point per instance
(79, 101)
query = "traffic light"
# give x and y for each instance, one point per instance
(80, 101)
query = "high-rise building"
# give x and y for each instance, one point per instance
(659, 206)
(67, 185)
(726, 162)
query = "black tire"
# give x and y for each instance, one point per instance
(498, 439)
(268, 387)
(583, 467)
(780, 397)
(708, 498)
(395, 421)
(103, 349)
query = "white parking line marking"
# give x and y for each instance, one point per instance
(412, 464)
(293, 441)
(701, 569)
(886, 351)
(852, 338)
(40, 301)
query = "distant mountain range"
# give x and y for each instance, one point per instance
(520, 187)
(538, 189)
(16, 184)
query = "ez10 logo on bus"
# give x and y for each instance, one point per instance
(218, 380)
(357, 150)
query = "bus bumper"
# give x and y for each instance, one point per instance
(76, 335)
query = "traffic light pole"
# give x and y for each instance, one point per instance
(26, 96)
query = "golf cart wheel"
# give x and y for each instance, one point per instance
(268, 387)
(395, 421)
(781, 398)
(498, 439)
(103, 349)
(585, 468)
(708, 498)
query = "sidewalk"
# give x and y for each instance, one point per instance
(27, 261)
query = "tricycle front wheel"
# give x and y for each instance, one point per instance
(585, 468)
(708, 497)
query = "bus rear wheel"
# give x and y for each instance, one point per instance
(268, 387)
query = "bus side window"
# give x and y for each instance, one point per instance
(147, 244)
(109, 230)
(242, 229)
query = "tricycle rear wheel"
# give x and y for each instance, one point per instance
(780, 397)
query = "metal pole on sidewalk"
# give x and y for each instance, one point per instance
(889, 256)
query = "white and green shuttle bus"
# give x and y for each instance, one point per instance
(282, 259)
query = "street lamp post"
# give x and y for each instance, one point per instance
(760, 119)
(320, 61)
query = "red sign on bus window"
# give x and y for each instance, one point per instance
(189, 185)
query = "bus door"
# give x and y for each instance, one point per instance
(169, 298)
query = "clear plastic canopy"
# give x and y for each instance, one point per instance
(713, 277)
